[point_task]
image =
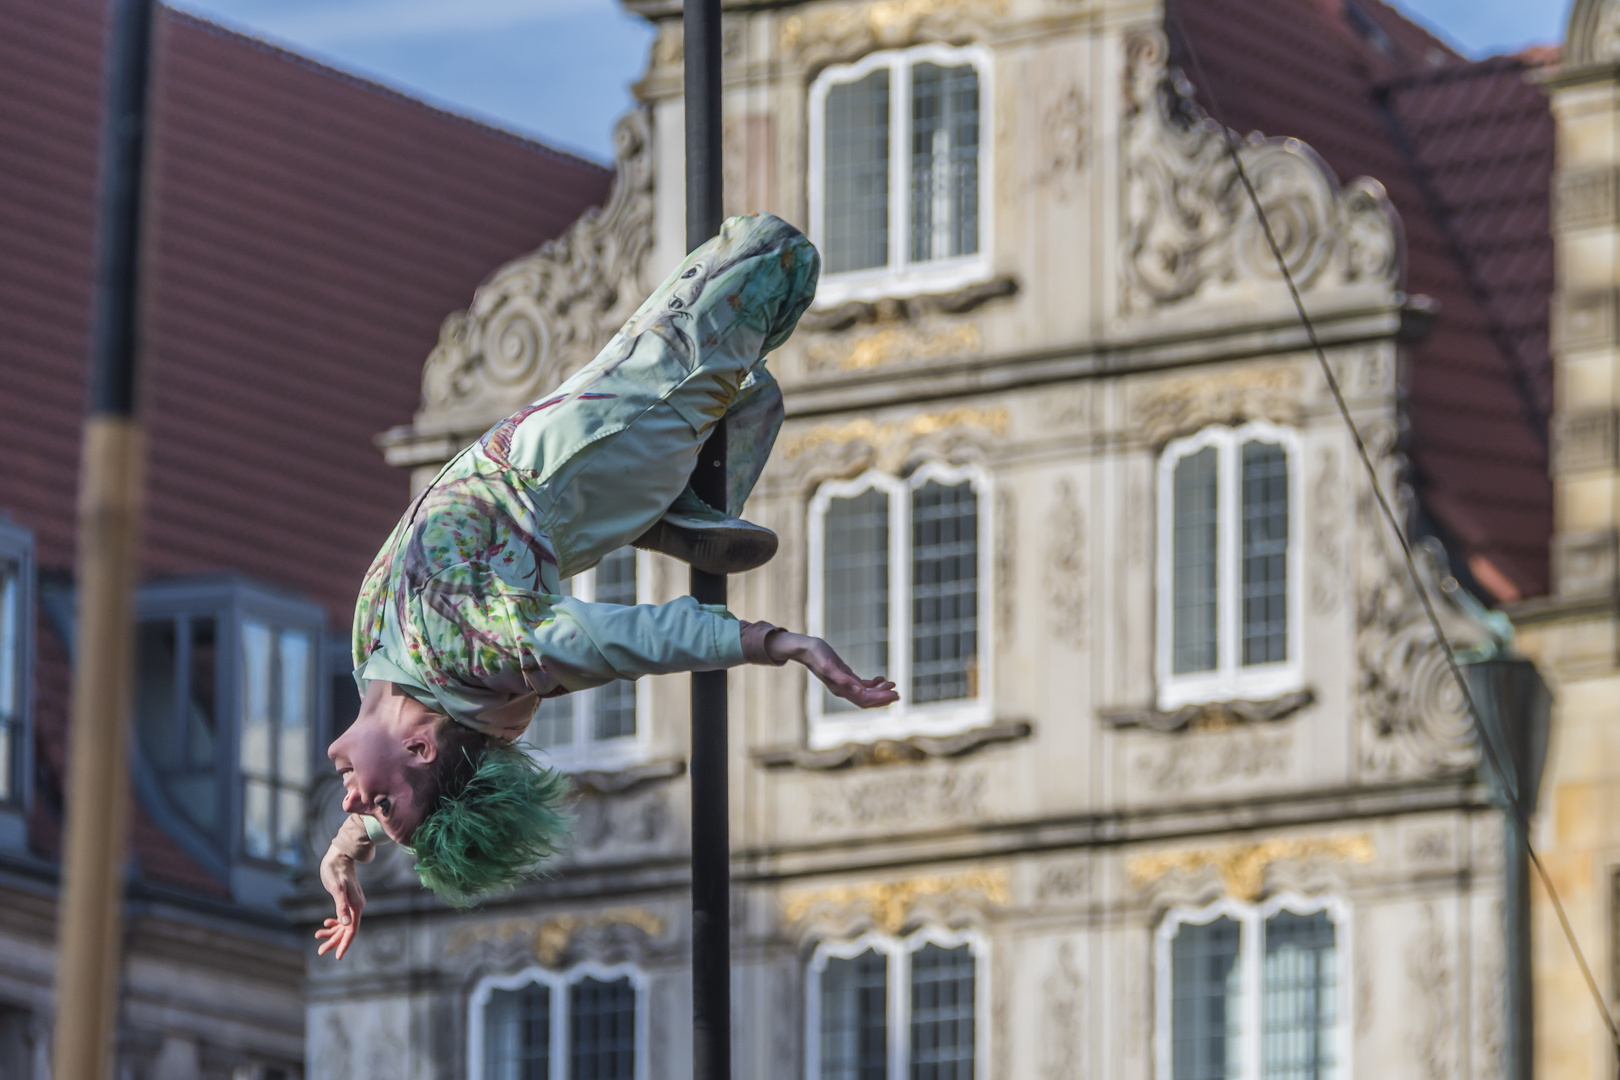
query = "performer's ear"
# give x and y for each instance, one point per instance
(422, 746)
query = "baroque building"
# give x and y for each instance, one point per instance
(1179, 787)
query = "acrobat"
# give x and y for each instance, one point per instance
(462, 626)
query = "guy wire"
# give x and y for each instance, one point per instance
(1509, 789)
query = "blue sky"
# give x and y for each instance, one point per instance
(561, 69)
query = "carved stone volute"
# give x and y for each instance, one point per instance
(542, 316)
(1189, 227)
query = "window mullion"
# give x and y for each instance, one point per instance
(899, 965)
(1253, 958)
(899, 162)
(560, 1050)
(182, 688)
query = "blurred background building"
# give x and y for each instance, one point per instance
(308, 232)
(1179, 787)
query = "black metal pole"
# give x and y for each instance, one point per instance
(711, 840)
(89, 951)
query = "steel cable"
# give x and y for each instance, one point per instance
(1504, 780)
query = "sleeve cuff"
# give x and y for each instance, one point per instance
(374, 829)
(754, 637)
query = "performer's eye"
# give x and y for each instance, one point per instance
(384, 806)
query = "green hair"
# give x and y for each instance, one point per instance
(494, 832)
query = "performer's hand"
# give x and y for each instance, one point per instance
(825, 664)
(342, 880)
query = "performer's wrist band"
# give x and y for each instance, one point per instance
(755, 639)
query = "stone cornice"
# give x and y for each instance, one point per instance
(892, 751)
(1403, 319)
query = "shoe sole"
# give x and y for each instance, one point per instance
(714, 551)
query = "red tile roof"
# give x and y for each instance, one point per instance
(1465, 151)
(310, 230)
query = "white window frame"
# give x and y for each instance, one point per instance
(901, 276)
(1230, 680)
(1251, 958)
(585, 753)
(559, 983)
(231, 601)
(899, 949)
(17, 544)
(902, 719)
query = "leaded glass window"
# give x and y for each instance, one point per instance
(944, 592)
(602, 1030)
(585, 1025)
(897, 1010)
(581, 726)
(857, 133)
(897, 577)
(1206, 999)
(1227, 579)
(1300, 997)
(1253, 994)
(517, 1034)
(897, 161)
(944, 161)
(854, 1017)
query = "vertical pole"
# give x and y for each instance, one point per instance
(90, 919)
(1518, 1045)
(711, 841)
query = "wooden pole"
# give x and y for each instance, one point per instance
(90, 918)
(711, 841)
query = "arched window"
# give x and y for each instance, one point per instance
(1228, 580)
(887, 1008)
(898, 573)
(1254, 992)
(898, 171)
(601, 726)
(589, 1022)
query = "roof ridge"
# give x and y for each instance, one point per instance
(369, 85)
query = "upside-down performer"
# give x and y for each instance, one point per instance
(462, 626)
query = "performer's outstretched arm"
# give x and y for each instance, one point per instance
(351, 845)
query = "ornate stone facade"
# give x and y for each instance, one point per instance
(1130, 301)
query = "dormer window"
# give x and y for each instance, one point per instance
(898, 163)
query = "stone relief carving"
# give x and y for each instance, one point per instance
(900, 309)
(1433, 1039)
(1189, 227)
(1210, 715)
(1242, 869)
(544, 315)
(1585, 197)
(853, 755)
(1063, 881)
(1067, 127)
(829, 33)
(1066, 566)
(1171, 407)
(1413, 717)
(847, 448)
(862, 350)
(1594, 32)
(1065, 1017)
(1327, 532)
(553, 940)
(941, 796)
(1215, 759)
(605, 821)
(891, 906)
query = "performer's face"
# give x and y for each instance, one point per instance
(391, 739)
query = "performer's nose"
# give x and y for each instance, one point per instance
(351, 802)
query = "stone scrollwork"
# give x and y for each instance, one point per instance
(1243, 868)
(1177, 406)
(544, 315)
(1413, 716)
(892, 905)
(845, 448)
(1189, 227)
(551, 941)
(1594, 33)
(828, 33)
